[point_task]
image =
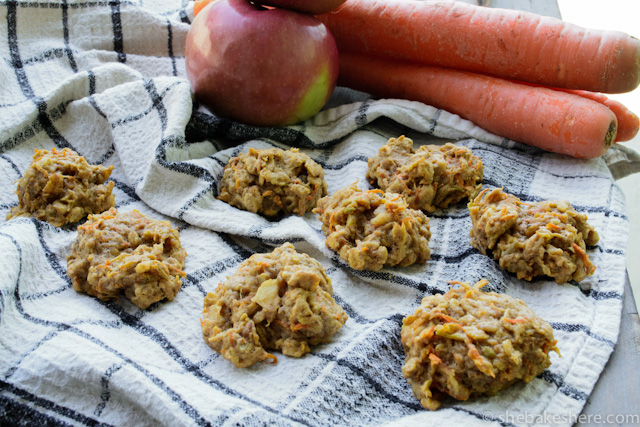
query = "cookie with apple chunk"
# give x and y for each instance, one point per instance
(273, 181)
(468, 343)
(128, 254)
(61, 187)
(431, 177)
(274, 301)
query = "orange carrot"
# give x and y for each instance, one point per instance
(434, 358)
(515, 321)
(628, 122)
(507, 43)
(199, 5)
(552, 120)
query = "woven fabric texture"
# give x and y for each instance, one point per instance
(107, 79)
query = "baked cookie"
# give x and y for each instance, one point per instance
(127, 253)
(467, 343)
(275, 301)
(545, 238)
(273, 181)
(60, 187)
(373, 229)
(434, 176)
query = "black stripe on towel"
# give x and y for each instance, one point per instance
(434, 121)
(487, 416)
(344, 163)
(182, 167)
(170, 47)
(361, 116)
(65, 31)
(46, 55)
(14, 413)
(23, 81)
(574, 327)
(377, 386)
(127, 189)
(11, 163)
(157, 104)
(78, 5)
(51, 257)
(177, 398)
(118, 39)
(565, 389)
(161, 153)
(105, 395)
(92, 91)
(601, 295)
(212, 188)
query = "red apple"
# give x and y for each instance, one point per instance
(315, 7)
(260, 66)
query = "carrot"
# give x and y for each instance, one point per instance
(588, 265)
(515, 321)
(434, 358)
(628, 122)
(552, 120)
(507, 43)
(484, 366)
(273, 358)
(199, 5)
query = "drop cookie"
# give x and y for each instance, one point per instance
(546, 238)
(127, 254)
(373, 229)
(282, 300)
(273, 181)
(468, 343)
(61, 187)
(431, 177)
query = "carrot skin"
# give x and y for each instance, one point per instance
(552, 120)
(511, 44)
(199, 5)
(628, 122)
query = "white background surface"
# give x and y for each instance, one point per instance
(621, 15)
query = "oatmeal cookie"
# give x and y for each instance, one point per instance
(434, 176)
(273, 181)
(127, 253)
(274, 301)
(372, 229)
(467, 343)
(545, 238)
(60, 187)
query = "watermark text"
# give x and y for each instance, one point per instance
(568, 418)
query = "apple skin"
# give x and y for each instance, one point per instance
(315, 7)
(260, 66)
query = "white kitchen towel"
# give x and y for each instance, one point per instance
(107, 79)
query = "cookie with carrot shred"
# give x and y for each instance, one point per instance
(374, 229)
(433, 176)
(282, 300)
(127, 253)
(467, 343)
(546, 238)
(272, 182)
(61, 187)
